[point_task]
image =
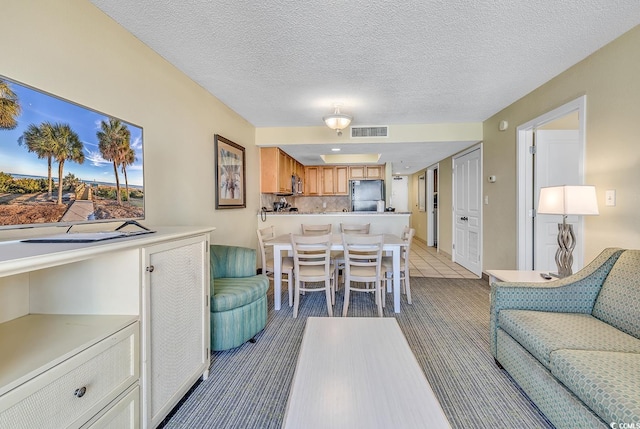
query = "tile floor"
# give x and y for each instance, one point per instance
(427, 262)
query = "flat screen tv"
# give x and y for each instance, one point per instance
(65, 164)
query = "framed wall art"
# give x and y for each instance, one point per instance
(231, 191)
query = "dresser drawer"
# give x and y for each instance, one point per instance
(125, 414)
(69, 394)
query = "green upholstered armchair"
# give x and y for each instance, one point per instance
(238, 296)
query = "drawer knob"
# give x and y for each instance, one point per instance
(79, 393)
(150, 268)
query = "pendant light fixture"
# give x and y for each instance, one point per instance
(337, 121)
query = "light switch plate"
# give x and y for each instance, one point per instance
(610, 197)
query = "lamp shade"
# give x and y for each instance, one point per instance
(337, 120)
(568, 200)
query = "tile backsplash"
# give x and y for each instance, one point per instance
(309, 204)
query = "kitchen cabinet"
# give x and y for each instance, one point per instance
(79, 329)
(312, 181)
(341, 183)
(366, 172)
(285, 170)
(326, 180)
(276, 169)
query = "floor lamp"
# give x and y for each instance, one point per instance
(567, 201)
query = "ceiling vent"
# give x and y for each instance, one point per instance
(376, 131)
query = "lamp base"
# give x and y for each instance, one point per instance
(566, 244)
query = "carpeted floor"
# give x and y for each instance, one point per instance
(447, 327)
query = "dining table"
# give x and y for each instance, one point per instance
(282, 247)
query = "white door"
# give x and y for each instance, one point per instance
(400, 193)
(467, 183)
(555, 163)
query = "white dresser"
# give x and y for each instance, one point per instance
(109, 334)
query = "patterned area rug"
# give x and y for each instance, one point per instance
(447, 327)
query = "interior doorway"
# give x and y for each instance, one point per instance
(432, 206)
(550, 153)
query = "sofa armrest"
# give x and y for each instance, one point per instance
(232, 261)
(574, 294)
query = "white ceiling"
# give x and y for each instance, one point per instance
(284, 63)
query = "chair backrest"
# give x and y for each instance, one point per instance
(407, 235)
(231, 261)
(355, 228)
(362, 250)
(316, 229)
(311, 256)
(265, 234)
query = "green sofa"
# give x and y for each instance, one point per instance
(573, 345)
(238, 297)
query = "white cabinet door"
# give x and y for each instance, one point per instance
(175, 317)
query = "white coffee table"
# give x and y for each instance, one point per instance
(359, 373)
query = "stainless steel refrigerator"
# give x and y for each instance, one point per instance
(365, 195)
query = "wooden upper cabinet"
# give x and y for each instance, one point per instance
(327, 183)
(374, 171)
(276, 169)
(326, 180)
(311, 180)
(269, 177)
(364, 172)
(356, 172)
(341, 181)
(285, 170)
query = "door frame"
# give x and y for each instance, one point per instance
(430, 208)
(453, 212)
(525, 184)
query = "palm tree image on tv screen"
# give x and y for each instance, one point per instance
(64, 163)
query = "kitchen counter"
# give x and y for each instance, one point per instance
(339, 213)
(381, 222)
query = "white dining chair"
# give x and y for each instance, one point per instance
(312, 265)
(387, 264)
(266, 252)
(308, 229)
(338, 256)
(362, 261)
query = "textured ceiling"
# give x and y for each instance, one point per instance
(284, 63)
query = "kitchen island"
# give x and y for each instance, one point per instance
(381, 222)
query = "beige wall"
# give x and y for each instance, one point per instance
(610, 80)
(71, 49)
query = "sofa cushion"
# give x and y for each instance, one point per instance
(618, 303)
(542, 332)
(230, 293)
(607, 382)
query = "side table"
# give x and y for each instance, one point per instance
(517, 276)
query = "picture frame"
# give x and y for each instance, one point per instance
(231, 189)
